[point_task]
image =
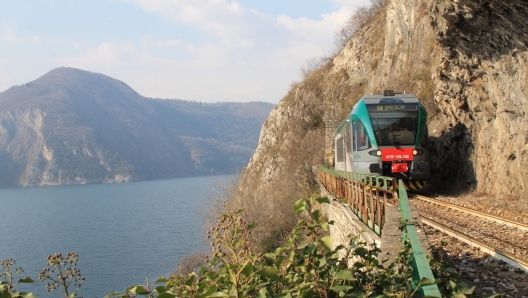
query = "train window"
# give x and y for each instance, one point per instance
(348, 139)
(340, 156)
(394, 124)
(362, 140)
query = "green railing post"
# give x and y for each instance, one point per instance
(420, 263)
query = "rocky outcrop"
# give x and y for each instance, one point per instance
(466, 60)
(27, 158)
(482, 87)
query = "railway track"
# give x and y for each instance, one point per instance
(512, 223)
(484, 236)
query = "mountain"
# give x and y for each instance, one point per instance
(466, 60)
(72, 126)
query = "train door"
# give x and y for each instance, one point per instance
(348, 147)
(361, 160)
(339, 158)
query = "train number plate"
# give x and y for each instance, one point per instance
(391, 154)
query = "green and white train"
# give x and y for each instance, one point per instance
(386, 135)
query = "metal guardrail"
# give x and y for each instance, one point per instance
(420, 263)
(383, 182)
(366, 201)
(367, 196)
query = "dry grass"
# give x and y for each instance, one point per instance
(190, 264)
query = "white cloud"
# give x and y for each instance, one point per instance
(108, 55)
(10, 35)
(172, 42)
(234, 53)
(254, 56)
(217, 17)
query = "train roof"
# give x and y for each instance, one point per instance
(389, 98)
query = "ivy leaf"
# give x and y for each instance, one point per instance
(300, 207)
(161, 280)
(137, 290)
(316, 215)
(28, 295)
(270, 255)
(165, 295)
(160, 289)
(340, 288)
(271, 273)
(190, 281)
(361, 251)
(219, 294)
(452, 285)
(322, 262)
(279, 261)
(247, 270)
(310, 248)
(209, 291)
(327, 242)
(467, 291)
(426, 282)
(324, 226)
(344, 275)
(322, 200)
(27, 280)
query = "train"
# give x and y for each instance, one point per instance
(385, 135)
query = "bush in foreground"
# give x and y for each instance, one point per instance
(306, 266)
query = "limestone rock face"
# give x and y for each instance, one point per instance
(466, 60)
(481, 87)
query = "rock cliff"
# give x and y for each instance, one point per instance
(466, 60)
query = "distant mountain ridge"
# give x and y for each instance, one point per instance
(72, 126)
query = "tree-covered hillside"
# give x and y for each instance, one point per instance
(72, 126)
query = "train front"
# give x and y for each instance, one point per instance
(400, 129)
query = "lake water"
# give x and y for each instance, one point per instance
(123, 232)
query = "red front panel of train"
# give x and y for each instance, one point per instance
(392, 154)
(399, 167)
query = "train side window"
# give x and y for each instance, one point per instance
(354, 136)
(348, 139)
(363, 142)
(340, 156)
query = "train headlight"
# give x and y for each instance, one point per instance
(375, 152)
(417, 151)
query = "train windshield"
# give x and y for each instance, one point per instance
(394, 124)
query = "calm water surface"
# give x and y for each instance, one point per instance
(123, 233)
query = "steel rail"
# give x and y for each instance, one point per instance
(512, 223)
(495, 252)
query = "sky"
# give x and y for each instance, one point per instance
(198, 50)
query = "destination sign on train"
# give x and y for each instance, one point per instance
(392, 107)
